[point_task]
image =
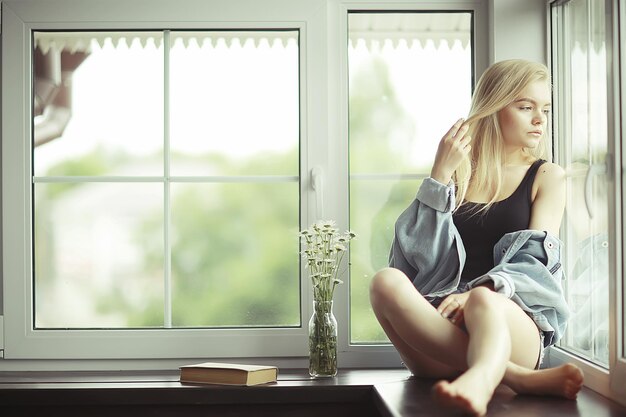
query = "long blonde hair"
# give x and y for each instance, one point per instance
(499, 86)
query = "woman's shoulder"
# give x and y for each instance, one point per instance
(550, 176)
(550, 170)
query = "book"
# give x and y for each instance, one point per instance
(228, 374)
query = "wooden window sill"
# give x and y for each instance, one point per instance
(378, 392)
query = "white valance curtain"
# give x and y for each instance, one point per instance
(377, 29)
(83, 41)
(373, 29)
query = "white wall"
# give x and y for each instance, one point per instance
(518, 30)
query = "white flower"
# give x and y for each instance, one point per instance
(324, 249)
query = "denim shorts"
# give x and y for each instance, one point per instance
(542, 349)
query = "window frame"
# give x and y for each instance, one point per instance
(21, 341)
(322, 25)
(617, 300)
(608, 382)
(380, 354)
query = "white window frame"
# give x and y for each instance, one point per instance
(383, 354)
(21, 342)
(322, 25)
(608, 382)
(617, 290)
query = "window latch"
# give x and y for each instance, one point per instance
(317, 183)
(592, 171)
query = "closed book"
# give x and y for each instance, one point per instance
(228, 374)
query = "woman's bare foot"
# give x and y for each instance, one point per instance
(563, 381)
(468, 393)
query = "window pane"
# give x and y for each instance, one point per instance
(380, 202)
(582, 58)
(235, 254)
(98, 103)
(406, 90)
(233, 95)
(92, 268)
(155, 244)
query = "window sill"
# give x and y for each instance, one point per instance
(379, 392)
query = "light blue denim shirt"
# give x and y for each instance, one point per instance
(427, 247)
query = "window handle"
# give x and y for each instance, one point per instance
(317, 183)
(592, 171)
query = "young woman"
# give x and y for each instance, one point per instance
(473, 295)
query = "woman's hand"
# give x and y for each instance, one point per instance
(453, 147)
(451, 307)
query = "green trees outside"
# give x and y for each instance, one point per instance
(235, 258)
(234, 248)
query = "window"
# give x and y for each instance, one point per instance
(158, 195)
(132, 199)
(582, 60)
(588, 127)
(405, 92)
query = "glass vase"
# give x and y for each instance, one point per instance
(322, 340)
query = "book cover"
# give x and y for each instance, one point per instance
(228, 374)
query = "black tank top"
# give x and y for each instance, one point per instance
(481, 231)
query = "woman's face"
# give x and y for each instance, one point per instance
(523, 122)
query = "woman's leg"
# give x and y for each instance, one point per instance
(489, 319)
(409, 317)
(415, 327)
(420, 334)
(417, 362)
(562, 381)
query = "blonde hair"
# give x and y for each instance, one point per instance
(500, 85)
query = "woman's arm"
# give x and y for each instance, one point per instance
(549, 203)
(426, 246)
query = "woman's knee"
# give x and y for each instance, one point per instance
(481, 297)
(386, 283)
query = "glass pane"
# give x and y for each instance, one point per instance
(586, 219)
(380, 202)
(98, 103)
(235, 255)
(98, 255)
(101, 246)
(234, 96)
(410, 78)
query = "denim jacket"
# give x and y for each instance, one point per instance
(427, 247)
